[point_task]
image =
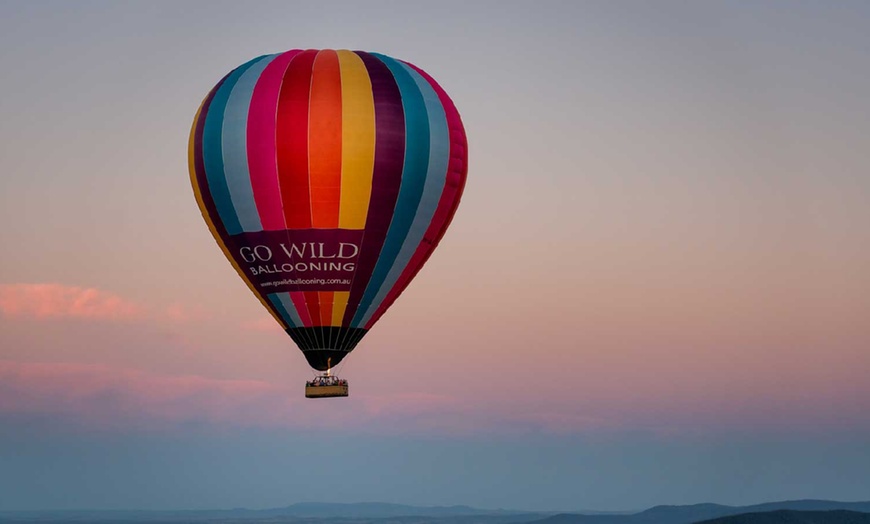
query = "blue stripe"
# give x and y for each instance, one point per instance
(414, 173)
(235, 146)
(212, 156)
(291, 309)
(439, 157)
(275, 299)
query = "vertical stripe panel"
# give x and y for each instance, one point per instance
(298, 298)
(358, 141)
(439, 155)
(276, 302)
(457, 170)
(292, 144)
(262, 148)
(325, 299)
(324, 140)
(290, 307)
(324, 152)
(339, 306)
(235, 147)
(292, 141)
(414, 170)
(312, 302)
(201, 192)
(386, 176)
(213, 155)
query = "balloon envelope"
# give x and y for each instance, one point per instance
(327, 178)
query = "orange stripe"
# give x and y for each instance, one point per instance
(324, 153)
(324, 140)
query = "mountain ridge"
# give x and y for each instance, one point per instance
(692, 513)
(389, 513)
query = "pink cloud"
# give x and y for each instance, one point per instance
(48, 301)
(114, 397)
(107, 397)
(59, 301)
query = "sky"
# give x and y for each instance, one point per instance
(655, 291)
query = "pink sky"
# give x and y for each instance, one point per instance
(608, 373)
(664, 233)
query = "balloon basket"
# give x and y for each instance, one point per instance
(326, 386)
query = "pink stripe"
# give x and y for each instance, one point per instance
(457, 170)
(262, 150)
(298, 298)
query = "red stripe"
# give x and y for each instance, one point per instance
(291, 137)
(312, 302)
(292, 141)
(262, 150)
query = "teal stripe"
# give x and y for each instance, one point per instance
(275, 299)
(414, 173)
(212, 154)
(439, 157)
(235, 146)
(291, 309)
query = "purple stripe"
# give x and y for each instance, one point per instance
(202, 181)
(386, 176)
(199, 165)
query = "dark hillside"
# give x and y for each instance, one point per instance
(701, 512)
(378, 513)
(795, 517)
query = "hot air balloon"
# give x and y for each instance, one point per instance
(327, 178)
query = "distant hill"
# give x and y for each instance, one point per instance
(811, 505)
(378, 510)
(383, 513)
(785, 516)
(701, 512)
(300, 513)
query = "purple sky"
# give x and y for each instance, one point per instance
(655, 291)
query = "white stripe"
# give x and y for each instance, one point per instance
(287, 302)
(234, 142)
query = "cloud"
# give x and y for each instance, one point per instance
(112, 397)
(94, 396)
(47, 301)
(60, 301)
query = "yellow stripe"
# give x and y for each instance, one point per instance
(358, 141)
(191, 157)
(338, 306)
